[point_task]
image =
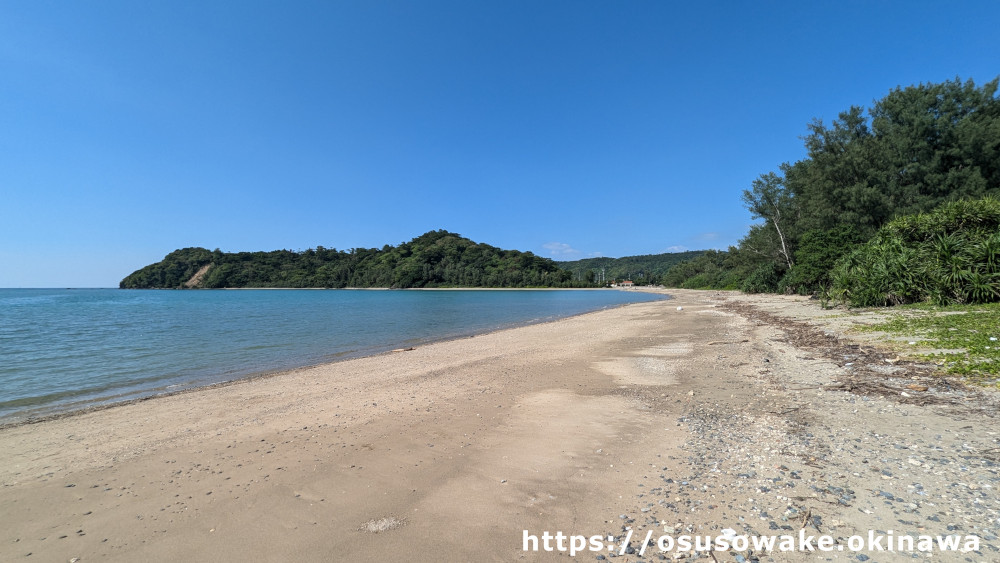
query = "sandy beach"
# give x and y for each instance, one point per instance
(750, 413)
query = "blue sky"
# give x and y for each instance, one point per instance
(566, 128)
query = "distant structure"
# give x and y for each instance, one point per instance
(626, 283)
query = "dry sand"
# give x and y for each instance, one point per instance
(735, 412)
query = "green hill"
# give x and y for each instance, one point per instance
(434, 259)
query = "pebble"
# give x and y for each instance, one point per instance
(762, 463)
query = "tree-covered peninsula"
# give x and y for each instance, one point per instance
(434, 259)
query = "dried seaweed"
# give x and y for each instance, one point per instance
(870, 370)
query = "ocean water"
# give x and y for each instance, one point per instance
(62, 350)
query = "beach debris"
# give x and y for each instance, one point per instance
(383, 524)
(680, 308)
(411, 348)
(725, 457)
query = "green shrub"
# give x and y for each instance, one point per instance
(763, 279)
(950, 255)
(816, 256)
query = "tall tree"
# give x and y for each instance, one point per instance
(768, 199)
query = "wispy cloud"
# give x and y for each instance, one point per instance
(560, 249)
(677, 248)
(707, 236)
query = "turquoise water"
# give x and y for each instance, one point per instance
(68, 349)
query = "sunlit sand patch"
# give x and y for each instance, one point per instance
(675, 349)
(639, 370)
(384, 524)
(541, 457)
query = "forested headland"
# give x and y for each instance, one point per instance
(434, 259)
(890, 205)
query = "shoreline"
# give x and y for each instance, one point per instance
(730, 413)
(10, 421)
(369, 288)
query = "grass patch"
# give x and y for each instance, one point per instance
(970, 334)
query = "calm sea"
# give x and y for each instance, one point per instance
(67, 349)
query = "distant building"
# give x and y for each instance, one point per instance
(626, 283)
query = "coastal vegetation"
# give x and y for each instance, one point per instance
(870, 214)
(434, 259)
(948, 256)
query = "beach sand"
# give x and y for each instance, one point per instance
(643, 417)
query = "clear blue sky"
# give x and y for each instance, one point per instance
(568, 128)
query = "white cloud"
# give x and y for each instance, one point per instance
(560, 249)
(677, 248)
(707, 236)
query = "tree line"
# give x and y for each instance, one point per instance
(917, 150)
(646, 269)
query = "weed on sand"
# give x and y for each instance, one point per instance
(963, 339)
